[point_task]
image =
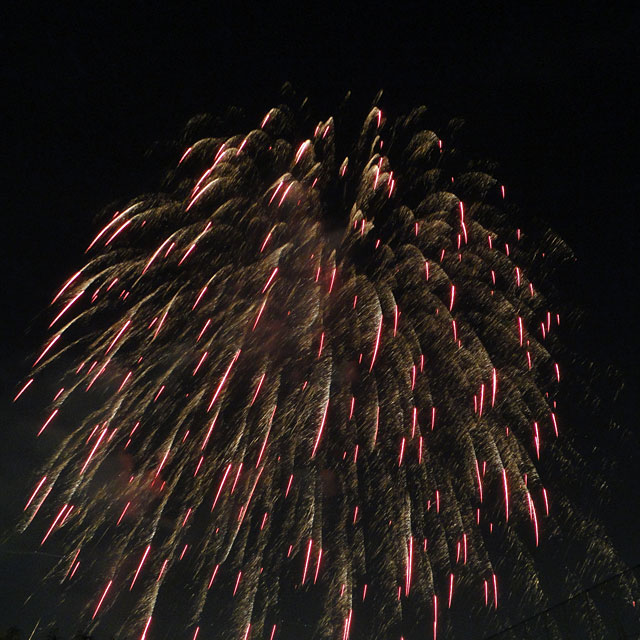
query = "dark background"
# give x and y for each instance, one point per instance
(550, 92)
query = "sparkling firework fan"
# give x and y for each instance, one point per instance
(312, 396)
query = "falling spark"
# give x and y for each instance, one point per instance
(104, 595)
(144, 557)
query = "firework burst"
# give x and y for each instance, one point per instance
(321, 390)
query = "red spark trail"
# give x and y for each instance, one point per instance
(494, 387)
(255, 324)
(315, 577)
(377, 345)
(235, 481)
(435, 616)
(235, 589)
(347, 625)
(407, 586)
(65, 308)
(223, 380)
(146, 628)
(401, 452)
(116, 219)
(144, 557)
(46, 424)
(479, 479)
(506, 494)
(495, 590)
(95, 446)
(333, 277)
(23, 389)
(224, 478)
(275, 193)
(204, 328)
(264, 444)
(257, 391)
(35, 492)
(284, 195)
(243, 510)
(184, 155)
(122, 514)
(520, 330)
(306, 561)
(202, 359)
(117, 232)
(104, 595)
(555, 423)
(202, 292)
(288, 485)
(53, 524)
(201, 193)
(270, 280)
(126, 378)
(47, 348)
(186, 253)
(155, 255)
(213, 575)
(317, 442)
(66, 286)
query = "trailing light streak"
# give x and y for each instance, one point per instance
(450, 589)
(144, 557)
(23, 389)
(435, 617)
(104, 595)
(54, 523)
(223, 380)
(506, 494)
(35, 492)
(48, 421)
(262, 306)
(65, 308)
(146, 628)
(270, 280)
(377, 345)
(320, 430)
(66, 286)
(306, 560)
(407, 586)
(123, 512)
(47, 348)
(95, 447)
(224, 478)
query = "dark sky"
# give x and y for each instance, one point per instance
(551, 93)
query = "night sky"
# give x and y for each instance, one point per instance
(551, 94)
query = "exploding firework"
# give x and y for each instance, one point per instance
(318, 395)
